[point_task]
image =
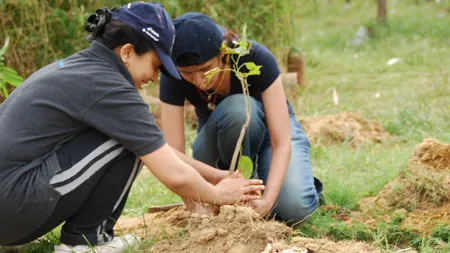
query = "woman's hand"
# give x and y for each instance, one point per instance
(262, 206)
(200, 208)
(220, 175)
(236, 189)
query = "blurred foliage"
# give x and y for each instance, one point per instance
(42, 31)
(8, 76)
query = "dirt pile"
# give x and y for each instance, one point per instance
(309, 245)
(432, 154)
(344, 127)
(422, 192)
(235, 229)
(327, 246)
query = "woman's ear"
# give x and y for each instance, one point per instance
(126, 52)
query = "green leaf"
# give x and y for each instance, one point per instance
(11, 76)
(209, 74)
(245, 166)
(243, 47)
(5, 91)
(252, 68)
(228, 50)
(5, 47)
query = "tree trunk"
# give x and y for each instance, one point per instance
(382, 11)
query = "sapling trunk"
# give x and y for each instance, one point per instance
(242, 48)
(244, 126)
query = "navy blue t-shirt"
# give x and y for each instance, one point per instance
(175, 92)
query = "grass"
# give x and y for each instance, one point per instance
(413, 104)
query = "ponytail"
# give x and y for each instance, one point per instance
(96, 23)
(102, 27)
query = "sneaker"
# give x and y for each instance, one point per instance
(319, 188)
(117, 245)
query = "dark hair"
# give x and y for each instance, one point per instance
(230, 37)
(113, 33)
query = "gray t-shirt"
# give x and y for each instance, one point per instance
(90, 89)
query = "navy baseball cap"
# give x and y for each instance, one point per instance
(198, 39)
(155, 24)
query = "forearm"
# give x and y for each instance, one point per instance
(193, 187)
(209, 173)
(278, 168)
(179, 177)
(185, 181)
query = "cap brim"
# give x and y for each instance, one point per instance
(168, 67)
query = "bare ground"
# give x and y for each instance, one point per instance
(234, 229)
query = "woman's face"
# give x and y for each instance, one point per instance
(143, 68)
(195, 74)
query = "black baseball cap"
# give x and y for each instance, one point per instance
(198, 39)
(155, 24)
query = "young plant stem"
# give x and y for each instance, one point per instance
(244, 85)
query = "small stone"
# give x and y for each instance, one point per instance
(206, 235)
(222, 232)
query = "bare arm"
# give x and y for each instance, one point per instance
(209, 173)
(189, 184)
(173, 128)
(277, 116)
(172, 118)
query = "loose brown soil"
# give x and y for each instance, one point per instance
(432, 154)
(343, 127)
(421, 194)
(234, 229)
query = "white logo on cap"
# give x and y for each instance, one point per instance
(151, 33)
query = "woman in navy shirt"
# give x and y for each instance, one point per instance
(274, 139)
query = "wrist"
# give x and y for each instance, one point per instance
(270, 198)
(219, 176)
(216, 197)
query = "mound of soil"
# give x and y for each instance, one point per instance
(343, 127)
(234, 229)
(432, 154)
(421, 193)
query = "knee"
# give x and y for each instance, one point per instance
(293, 211)
(232, 108)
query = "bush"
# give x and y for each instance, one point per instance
(43, 31)
(8, 76)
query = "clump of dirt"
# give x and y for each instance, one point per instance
(432, 154)
(307, 245)
(425, 183)
(327, 246)
(425, 221)
(421, 193)
(343, 127)
(416, 188)
(234, 229)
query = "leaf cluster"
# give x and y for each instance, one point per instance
(8, 76)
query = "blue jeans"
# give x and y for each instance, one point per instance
(217, 139)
